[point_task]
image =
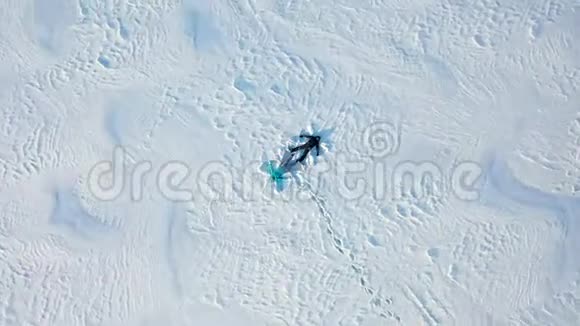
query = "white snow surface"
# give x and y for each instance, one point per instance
(208, 90)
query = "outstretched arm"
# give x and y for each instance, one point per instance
(317, 149)
(306, 136)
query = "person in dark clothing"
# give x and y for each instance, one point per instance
(313, 142)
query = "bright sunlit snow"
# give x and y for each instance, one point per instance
(140, 142)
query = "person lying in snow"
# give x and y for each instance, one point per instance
(313, 142)
(288, 160)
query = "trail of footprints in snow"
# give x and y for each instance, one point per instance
(490, 23)
(570, 165)
(377, 301)
(115, 37)
(125, 43)
(31, 140)
(574, 132)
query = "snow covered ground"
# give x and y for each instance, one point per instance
(132, 134)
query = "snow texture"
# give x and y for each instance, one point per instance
(195, 95)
